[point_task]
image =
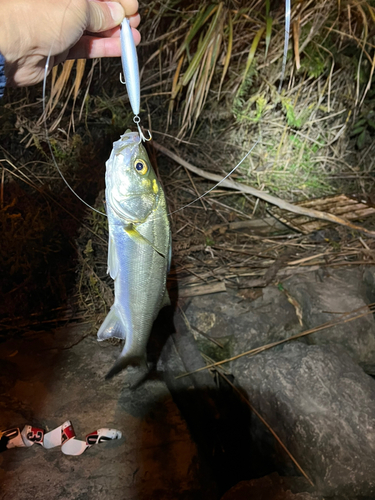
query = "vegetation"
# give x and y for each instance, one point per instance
(210, 78)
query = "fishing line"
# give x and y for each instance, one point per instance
(72, 190)
(286, 42)
(49, 142)
(218, 184)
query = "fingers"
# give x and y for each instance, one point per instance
(90, 47)
(134, 23)
(104, 19)
(130, 7)
(134, 20)
(103, 16)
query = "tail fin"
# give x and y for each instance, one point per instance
(124, 361)
(112, 326)
(115, 326)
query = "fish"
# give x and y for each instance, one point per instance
(139, 249)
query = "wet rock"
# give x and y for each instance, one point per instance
(322, 297)
(272, 487)
(322, 406)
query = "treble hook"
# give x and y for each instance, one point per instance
(122, 80)
(142, 137)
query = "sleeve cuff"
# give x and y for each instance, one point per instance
(3, 79)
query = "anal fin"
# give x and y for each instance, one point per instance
(112, 326)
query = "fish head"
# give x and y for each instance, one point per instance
(132, 188)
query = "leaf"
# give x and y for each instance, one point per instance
(228, 54)
(361, 139)
(175, 89)
(269, 21)
(80, 68)
(202, 48)
(250, 58)
(296, 31)
(357, 131)
(201, 19)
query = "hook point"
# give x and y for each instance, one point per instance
(142, 136)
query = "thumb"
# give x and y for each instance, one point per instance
(102, 16)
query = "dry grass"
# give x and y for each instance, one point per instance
(211, 73)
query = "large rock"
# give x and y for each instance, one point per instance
(239, 323)
(322, 406)
(272, 487)
(369, 282)
(322, 297)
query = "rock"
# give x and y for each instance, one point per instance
(217, 419)
(239, 323)
(322, 297)
(322, 406)
(272, 487)
(369, 281)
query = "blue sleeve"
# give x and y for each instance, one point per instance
(2, 75)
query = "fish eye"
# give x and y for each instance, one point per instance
(141, 166)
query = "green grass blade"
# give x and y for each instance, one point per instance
(269, 21)
(202, 18)
(195, 62)
(228, 54)
(253, 49)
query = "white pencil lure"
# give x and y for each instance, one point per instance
(130, 68)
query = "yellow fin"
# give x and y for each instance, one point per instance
(137, 237)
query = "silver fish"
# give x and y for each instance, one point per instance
(139, 249)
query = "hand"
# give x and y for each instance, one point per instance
(30, 30)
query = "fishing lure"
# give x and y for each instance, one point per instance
(129, 60)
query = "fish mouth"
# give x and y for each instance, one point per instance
(133, 208)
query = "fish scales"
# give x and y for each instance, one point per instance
(138, 250)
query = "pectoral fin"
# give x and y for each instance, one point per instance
(112, 262)
(137, 237)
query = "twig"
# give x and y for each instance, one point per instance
(268, 427)
(265, 347)
(284, 205)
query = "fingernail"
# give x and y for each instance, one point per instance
(117, 11)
